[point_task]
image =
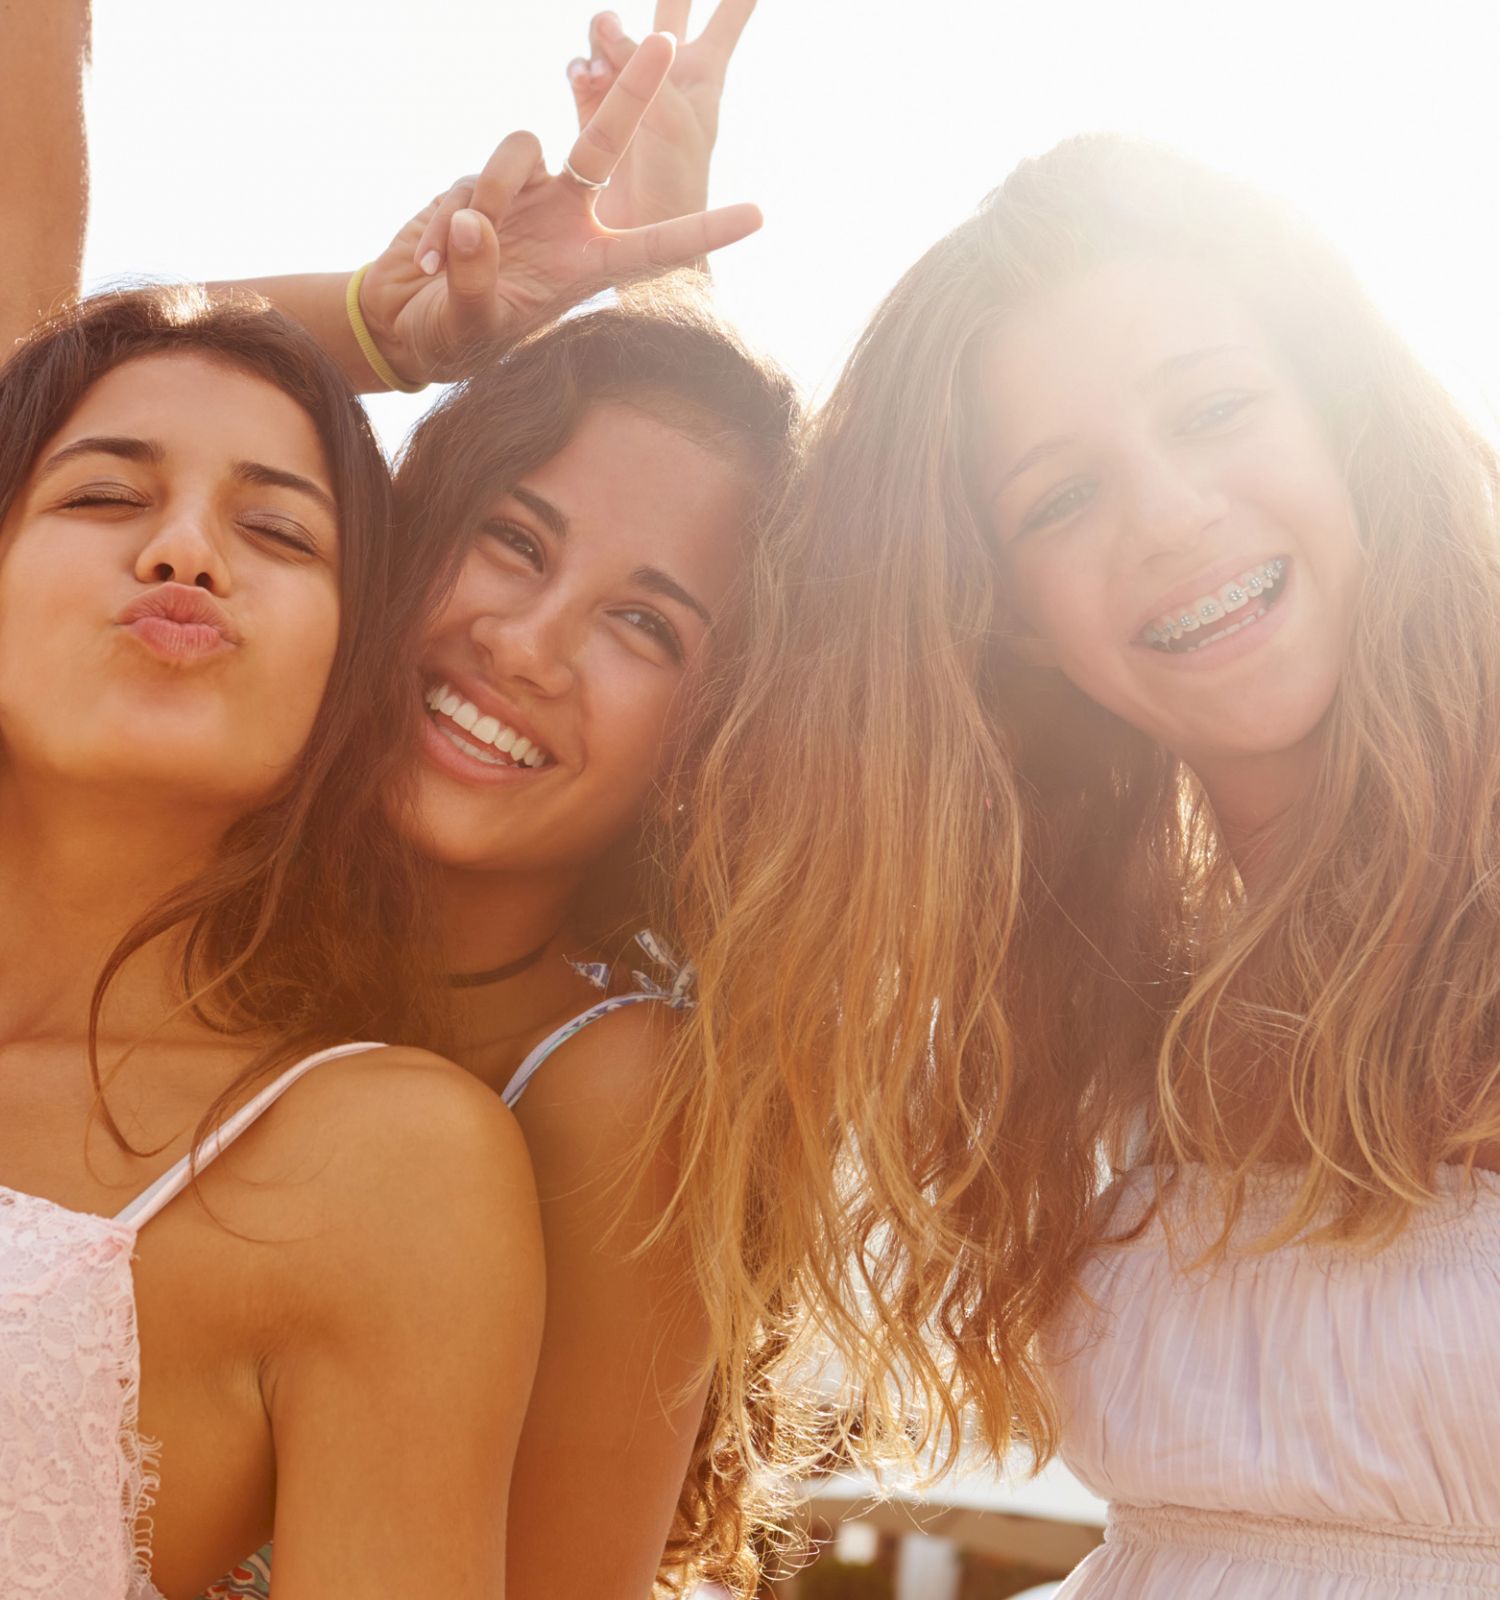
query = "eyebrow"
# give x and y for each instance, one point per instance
(542, 508)
(1168, 369)
(279, 478)
(147, 452)
(655, 581)
(1192, 358)
(119, 445)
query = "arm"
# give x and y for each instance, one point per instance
(664, 173)
(619, 1389)
(397, 1391)
(506, 250)
(44, 171)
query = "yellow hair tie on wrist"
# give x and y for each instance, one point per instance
(366, 340)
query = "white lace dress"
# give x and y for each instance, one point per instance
(1317, 1423)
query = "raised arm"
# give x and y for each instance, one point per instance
(43, 159)
(506, 249)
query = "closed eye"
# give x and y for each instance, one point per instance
(514, 537)
(655, 626)
(1061, 503)
(289, 535)
(102, 497)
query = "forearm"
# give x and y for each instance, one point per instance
(44, 170)
(316, 301)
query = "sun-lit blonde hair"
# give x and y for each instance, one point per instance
(956, 926)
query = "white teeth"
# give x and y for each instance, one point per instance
(470, 749)
(483, 730)
(1232, 596)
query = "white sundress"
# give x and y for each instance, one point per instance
(1319, 1422)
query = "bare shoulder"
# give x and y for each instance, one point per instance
(611, 1069)
(381, 1151)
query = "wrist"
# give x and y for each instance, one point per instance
(373, 340)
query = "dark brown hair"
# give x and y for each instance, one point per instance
(300, 934)
(661, 351)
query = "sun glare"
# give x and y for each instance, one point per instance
(863, 128)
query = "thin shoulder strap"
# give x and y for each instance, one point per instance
(175, 1179)
(560, 1036)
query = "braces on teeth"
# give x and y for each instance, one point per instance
(1260, 582)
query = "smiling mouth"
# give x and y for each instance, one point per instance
(484, 738)
(1241, 602)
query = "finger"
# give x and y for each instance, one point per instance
(611, 45)
(604, 138)
(589, 88)
(516, 160)
(672, 17)
(724, 27)
(473, 276)
(675, 243)
(433, 245)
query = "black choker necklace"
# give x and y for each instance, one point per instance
(477, 980)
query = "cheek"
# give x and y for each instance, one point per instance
(300, 641)
(630, 723)
(47, 602)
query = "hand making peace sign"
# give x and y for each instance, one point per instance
(664, 173)
(504, 250)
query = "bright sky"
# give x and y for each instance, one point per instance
(232, 140)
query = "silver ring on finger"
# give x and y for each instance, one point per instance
(584, 183)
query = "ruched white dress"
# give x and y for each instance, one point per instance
(1315, 1423)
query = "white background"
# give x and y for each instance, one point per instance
(285, 135)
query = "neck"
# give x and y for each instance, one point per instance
(78, 867)
(1252, 796)
(487, 920)
(490, 918)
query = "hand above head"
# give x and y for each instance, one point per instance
(506, 249)
(664, 173)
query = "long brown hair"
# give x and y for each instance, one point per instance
(660, 350)
(300, 934)
(956, 925)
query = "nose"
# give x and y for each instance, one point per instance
(183, 549)
(1166, 505)
(531, 645)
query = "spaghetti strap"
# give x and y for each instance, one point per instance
(560, 1036)
(175, 1179)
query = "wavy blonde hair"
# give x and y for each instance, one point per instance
(955, 925)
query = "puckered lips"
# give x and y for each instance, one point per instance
(476, 736)
(179, 623)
